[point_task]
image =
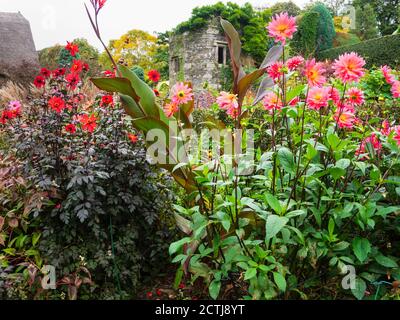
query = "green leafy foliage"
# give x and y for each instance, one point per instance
(366, 23)
(371, 50)
(326, 29)
(314, 206)
(108, 220)
(290, 7)
(386, 13)
(305, 40)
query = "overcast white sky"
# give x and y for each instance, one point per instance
(56, 21)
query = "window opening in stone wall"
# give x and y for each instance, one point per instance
(221, 55)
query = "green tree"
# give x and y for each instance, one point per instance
(48, 57)
(366, 23)
(335, 5)
(387, 13)
(326, 29)
(161, 56)
(290, 7)
(305, 39)
(136, 47)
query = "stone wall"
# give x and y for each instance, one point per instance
(19, 60)
(194, 56)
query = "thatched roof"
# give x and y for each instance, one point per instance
(18, 57)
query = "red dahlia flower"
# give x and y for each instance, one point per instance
(109, 74)
(57, 104)
(59, 72)
(86, 67)
(88, 123)
(397, 135)
(276, 71)
(133, 138)
(72, 80)
(107, 100)
(77, 66)
(101, 3)
(295, 62)
(396, 89)
(39, 82)
(386, 128)
(45, 73)
(70, 128)
(355, 96)
(154, 75)
(72, 48)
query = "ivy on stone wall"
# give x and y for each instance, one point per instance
(248, 21)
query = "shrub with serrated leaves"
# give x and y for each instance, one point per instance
(110, 208)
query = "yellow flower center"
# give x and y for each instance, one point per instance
(282, 28)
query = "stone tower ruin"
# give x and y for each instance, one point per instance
(19, 60)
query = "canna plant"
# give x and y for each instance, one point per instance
(140, 101)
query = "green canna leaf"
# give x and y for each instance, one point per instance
(116, 85)
(146, 94)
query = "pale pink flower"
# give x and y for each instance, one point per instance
(396, 89)
(282, 27)
(233, 112)
(294, 63)
(318, 98)
(355, 97)
(386, 128)
(276, 71)
(397, 135)
(314, 72)
(15, 108)
(374, 142)
(272, 102)
(345, 118)
(387, 73)
(181, 94)
(349, 67)
(170, 109)
(335, 96)
(227, 100)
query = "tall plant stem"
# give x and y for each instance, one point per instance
(303, 117)
(274, 150)
(341, 107)
(285, 118)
